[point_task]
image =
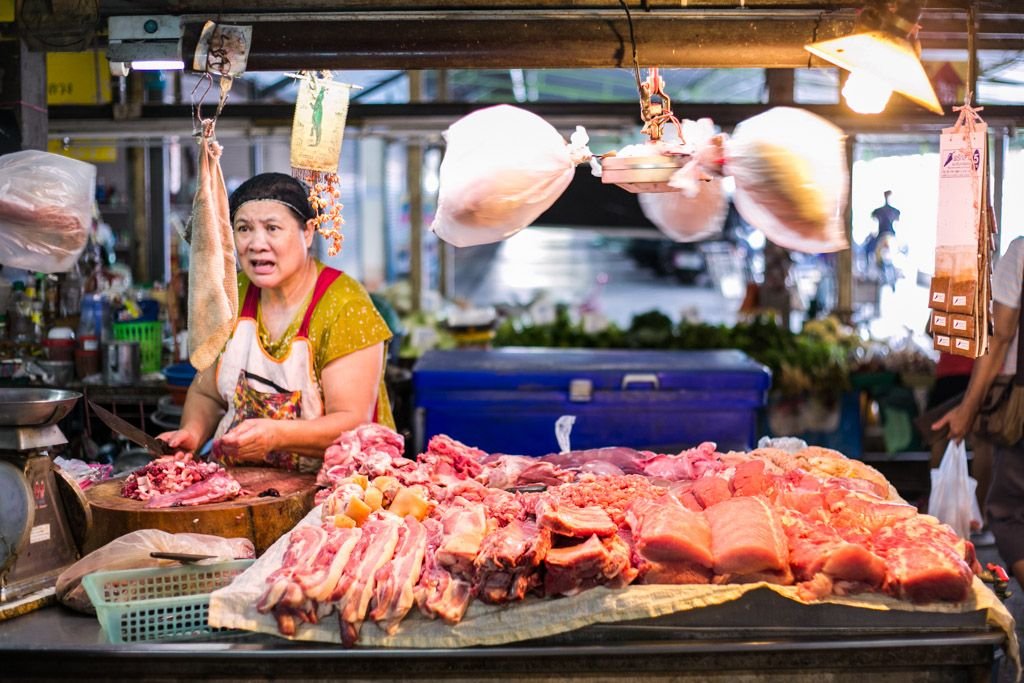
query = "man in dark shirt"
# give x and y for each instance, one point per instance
(885, 216)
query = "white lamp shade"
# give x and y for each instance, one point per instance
(884, 57)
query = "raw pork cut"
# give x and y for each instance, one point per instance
(394, 583)
(507, 565)
(594, 562)
(219, 486)
(747, 542)
(925, 561)
(438, 593)
(569, 520)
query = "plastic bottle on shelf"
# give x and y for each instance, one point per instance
(20, 312)
(90, 334)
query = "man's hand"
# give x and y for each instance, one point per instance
(958, 420)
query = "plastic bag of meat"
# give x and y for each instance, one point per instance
(46, 208)
(502, 168)
(132, 551)
(791, 177)
(953, 498)
(697, 210)
(212, 281)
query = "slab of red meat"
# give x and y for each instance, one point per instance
(465, 526)
(507, 471)
(690, 464)
(370, 449)
(665, 531)
(168, 474)
(612, 494)
(710, 490)
(747, 542)
(751, 479)
(817, 550)
(376, 545)
(856, 513)
(569, 520)
(394, 584)
(925, 561)
(607, 460)
(438, 593)
(448, 459)
(217, 487)
(507, 565)
(594, 562)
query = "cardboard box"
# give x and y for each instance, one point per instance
(964, 347)
(940, 322)
(938, 295)
(962, 295)
(943, 342)
(962, 325)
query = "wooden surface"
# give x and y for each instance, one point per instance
(261, 519)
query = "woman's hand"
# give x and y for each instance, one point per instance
(180, 440)
(251, 440)
(958, 420)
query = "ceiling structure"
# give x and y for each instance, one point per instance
(538, 52)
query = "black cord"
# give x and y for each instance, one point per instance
(632, 40)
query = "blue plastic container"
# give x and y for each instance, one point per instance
(507, 400)
(179, 374)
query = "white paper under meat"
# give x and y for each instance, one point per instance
(234, 607)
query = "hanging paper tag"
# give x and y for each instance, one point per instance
(319, 125)
(222, 49)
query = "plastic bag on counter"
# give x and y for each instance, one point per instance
(503, 167)
(132, 551)
(791, 178)
(46, 208)
(953, 498)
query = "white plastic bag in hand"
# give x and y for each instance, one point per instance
(46, 205)
(791, 178)
(132, 550)
(953, 498)
(503, 167)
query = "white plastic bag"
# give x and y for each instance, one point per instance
(953, 498)
(685, 218)
(132, 550)
(791, 178)
(46, 203)
(503, 167)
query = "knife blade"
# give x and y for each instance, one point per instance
(131, 432)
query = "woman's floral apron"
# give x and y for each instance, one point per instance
(257, 385)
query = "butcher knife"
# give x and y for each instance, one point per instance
(131, 432)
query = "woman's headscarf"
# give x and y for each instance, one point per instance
(277, 187)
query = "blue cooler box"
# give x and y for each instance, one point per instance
(507, 400)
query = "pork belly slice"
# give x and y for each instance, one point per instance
(319, 581)
(747, 541)
(678, 573)
(375, 547)
(438, 593)
(860, 513)
(464, 529)
(507, 566)
(925, 561)
(568, 520)
(817, 549)
(664, 530)
(394, 583)
(750, 479)
(594, 562)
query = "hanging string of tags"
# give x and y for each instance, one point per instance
(318, 127)
(960, 296)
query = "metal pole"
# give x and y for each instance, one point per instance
(414, 186)
(844, 259)
(1000, 144)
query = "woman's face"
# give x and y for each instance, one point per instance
(272, 242)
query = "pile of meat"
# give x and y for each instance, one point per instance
(440, 531)
(179, 480)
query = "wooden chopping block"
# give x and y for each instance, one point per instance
(261, 519)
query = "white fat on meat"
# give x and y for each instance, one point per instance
(395, 582)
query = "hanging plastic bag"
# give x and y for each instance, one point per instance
(503, 167)
(132, 551)
(46, 209)
(953, 498)
(697, 210)
(791, 179)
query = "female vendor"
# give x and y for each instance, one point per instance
(305, 361)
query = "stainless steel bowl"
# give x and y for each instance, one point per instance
(31, 407)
